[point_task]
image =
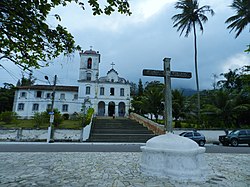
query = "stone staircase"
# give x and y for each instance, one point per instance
(118, 130)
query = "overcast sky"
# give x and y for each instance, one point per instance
(141, 41)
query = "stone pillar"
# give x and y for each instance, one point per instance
(106, 109)
(116, 109)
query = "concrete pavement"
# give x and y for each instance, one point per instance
(103, 169)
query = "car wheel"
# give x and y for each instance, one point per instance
(201, 143)
(234, 142)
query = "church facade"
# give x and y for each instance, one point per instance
(109, 95)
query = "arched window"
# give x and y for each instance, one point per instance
(89, 65)
(87, 90)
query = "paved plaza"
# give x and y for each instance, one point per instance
(100, 169)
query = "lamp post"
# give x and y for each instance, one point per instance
(50, 136)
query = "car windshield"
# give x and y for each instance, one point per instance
(182, 133)
(235, 132)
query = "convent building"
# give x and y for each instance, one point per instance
(109, 95)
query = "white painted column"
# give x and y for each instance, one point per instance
(106, 109)
(116, 109)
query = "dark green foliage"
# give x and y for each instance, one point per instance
(83, 119)
(26, 81)
(133, 89)
(44, 117)
(178, 104)
(241, 19)
(40, 119)
(153, 97)
(88, 116)
(8, 117)
(140, 88)
(6, 97)
(29, 41)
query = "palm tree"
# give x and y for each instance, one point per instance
(191, 16)
(240, 20)
(153, 97)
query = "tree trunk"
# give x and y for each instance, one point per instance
(196, 73)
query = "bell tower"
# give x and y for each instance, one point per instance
(89, 65)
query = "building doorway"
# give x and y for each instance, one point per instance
(111, 108)
(121, 109)
(101, 108)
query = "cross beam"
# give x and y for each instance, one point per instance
(167, 74)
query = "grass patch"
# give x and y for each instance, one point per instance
(30, 124)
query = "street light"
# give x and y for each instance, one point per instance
(51, 120)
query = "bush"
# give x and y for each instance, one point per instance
(88, 116)
(40, 119)
(8, 117)
(44, 117)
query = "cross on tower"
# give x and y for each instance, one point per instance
(112, 64)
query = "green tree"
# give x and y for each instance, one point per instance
(191, 16)
(7, 97)
(133, 89)
(140, 88)
(29, 41)
(229, 108)
(179, 105)
(26, 81)
(236, 80)
(232, 80)
(8, 117)
(241, 19)
(153, 98)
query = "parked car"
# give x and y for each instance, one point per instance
(195, 136)
(236, 137)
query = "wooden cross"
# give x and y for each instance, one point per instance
(167, 74)
(112, 64)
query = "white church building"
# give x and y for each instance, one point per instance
(109, 95)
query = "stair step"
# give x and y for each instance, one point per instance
(119, 130)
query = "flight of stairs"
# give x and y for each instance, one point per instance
(118, 130)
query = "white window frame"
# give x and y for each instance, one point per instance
(49, 106)
(88, 76)
(65, 108)
(37, 94)
(87, 90)
(122, 90)
(62, 96)
(102, 90)
(48, 95)
(20, 106)
(112, 93)
(75, 96)
(35, 107)
(23, 94)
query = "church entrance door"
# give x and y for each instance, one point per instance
(101, 108)
(121, 109)
(111, 108)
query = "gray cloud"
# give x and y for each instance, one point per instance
(143, 40)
